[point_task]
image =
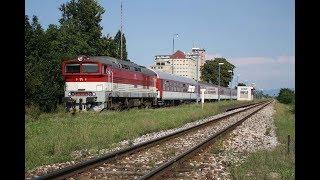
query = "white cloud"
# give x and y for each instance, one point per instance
(286, 59)
(266, 72)
(263, 60)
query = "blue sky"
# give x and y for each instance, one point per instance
(255, 35)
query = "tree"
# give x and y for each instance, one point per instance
(35, 47)
(286, 96)
(117, 40)
(27, 47)
(28, 35)
(54, 58)
(43, 79)
(210, 72)
(79, 33)
(108, 47)
(80, 27)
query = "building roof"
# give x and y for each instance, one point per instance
(178, 55)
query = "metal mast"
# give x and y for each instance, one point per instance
(121, 34)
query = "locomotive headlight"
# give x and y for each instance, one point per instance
(92, 93)
(70, 93)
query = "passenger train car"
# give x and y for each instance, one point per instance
(174, 89)
(105, 82)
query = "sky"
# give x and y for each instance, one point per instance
(257, 36)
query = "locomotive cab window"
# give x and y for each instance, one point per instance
(90, 68)
(73, 68)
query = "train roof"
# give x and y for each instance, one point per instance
(167, 76)
(214, 85)
(208, 84)
(117, 63)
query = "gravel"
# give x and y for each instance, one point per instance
(256, 133)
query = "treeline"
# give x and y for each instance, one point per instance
(286, 96)
(78, 33)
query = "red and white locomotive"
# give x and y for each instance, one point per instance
(105, 82)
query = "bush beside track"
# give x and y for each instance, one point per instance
(52, 137)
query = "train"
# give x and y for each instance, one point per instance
(103, 82)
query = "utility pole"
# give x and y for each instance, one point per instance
(197, 75)
(121, 33)
(230, 71)
(219, 81)
(175, 35)
(237, 79)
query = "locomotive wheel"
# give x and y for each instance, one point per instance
(147, 105)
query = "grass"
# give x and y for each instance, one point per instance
(52, 137)
(262, 164)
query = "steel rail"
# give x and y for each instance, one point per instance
(86, 165)
(241, 106)
(157, 172)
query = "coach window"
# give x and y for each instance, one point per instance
(73, 68)
(90, 68)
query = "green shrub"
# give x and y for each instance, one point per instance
(32, 112)
(286, 96)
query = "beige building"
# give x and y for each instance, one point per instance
(182, 64)
(201, 53)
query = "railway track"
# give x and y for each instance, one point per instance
(152, 158)
(173, 168)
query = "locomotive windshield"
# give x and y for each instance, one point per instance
(73, 68)
(90, 68)
(86, 68)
